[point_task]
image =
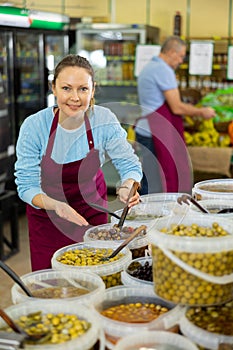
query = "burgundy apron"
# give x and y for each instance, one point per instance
(168, 138)
(76, 183)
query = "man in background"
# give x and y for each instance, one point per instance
(159, 131)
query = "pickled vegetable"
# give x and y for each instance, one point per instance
(134, 312)
(62, 327)
(175, 284)
(214, 319)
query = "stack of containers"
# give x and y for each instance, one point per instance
(193, 269)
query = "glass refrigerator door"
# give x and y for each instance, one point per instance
(29, 74)
(6, 107)
(56, 47)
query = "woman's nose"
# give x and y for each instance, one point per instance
(75, 95)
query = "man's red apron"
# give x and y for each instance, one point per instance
(76, 183)
(168, 138)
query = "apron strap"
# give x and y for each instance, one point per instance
(89, 132)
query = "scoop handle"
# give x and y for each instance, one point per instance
(15, 277)
(127, 241)
(132, 192)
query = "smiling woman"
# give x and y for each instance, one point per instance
(60, 152)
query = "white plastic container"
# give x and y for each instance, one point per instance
(65, 281)
(109, 271)
(115, 330)
(153, 206)
(213, 206)
(84, 342)
(192, 270)
(138, 245)
(129, 280)
(155, 340)
(201, 337)
(213, 189)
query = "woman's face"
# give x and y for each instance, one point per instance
(73, 90)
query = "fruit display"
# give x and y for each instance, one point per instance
(204, 133)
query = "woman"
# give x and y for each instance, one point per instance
(60, 151)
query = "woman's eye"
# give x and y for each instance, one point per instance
(84, 88)
(66, 88)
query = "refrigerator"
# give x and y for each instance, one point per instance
(27, 61)
(111, 49)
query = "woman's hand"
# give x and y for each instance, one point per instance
(123, 194)
(65, 211)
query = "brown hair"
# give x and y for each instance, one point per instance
(73, 61)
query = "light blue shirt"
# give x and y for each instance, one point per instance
(71, 145)
(155, 78)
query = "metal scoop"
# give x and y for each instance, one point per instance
(32, 337)
(125, 242)
(15, 277)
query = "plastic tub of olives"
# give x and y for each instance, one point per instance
(125, 310)
(213, 189)
(86, 256)
(155, 340)
(210, 326)
(107, 232)
(153, 206)
(213, 206)
(71, 328)
(192, 259)
(138, 273)
(70, 285)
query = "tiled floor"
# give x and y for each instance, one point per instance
(20, 262)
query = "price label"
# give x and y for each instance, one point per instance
(230, 63)
(201, 57)
(144, 53)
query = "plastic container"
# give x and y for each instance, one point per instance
(159, 340)
(213, 189)
(84, 342)
(114, 330)
(192, 270)
(65, 285)
(213, 206)
(138, 246)
(201, 337)
(129, 280)
(109, 271)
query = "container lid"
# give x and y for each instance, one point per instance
(105, 269)
(84, 342)
(67, 281)
(202, 337)
(191, 244)
(156, 339)
(160, 197)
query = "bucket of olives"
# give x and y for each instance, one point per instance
(192, 259)
(138, 273)
(65, 327)
(69, 285)
(88, 257)
(213, 189)
(109, 232)
(128, 310)
(214, 206)
(155, 340)
(209, 326)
